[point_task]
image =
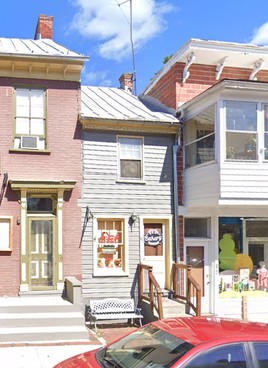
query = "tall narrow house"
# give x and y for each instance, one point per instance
(129, 174)
(40, 178)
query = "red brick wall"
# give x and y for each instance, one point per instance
(170, 90)
(44, 27)
(63, 163)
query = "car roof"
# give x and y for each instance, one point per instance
(196, 330)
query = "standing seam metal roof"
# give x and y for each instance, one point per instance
(118, 104)
(40, 47)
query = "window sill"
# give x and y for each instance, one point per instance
(23, 150)
(112, 272)
(130, 181)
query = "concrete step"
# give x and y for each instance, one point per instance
(41, 319)
(173, 308)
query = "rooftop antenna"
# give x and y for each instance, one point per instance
(131, 42)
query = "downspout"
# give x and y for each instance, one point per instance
(176, 254)
(176, 148)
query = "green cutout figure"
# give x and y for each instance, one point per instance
(227, 254)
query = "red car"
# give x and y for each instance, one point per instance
(187, 342)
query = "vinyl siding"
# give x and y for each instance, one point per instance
(105, 196)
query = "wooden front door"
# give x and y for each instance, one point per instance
(41, 240)
(197, 256)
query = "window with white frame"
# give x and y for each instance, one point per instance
(241, 130)
(130, 158)
(6, 233)
(111, 247)
(197, 227)
(30, 119)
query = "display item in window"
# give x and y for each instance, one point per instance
(262, 273)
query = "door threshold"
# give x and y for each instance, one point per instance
(41, 293)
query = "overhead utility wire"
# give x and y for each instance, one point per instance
(131, 42)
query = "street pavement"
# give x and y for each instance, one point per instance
(39, 356)
(46, 356)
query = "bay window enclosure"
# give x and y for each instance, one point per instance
(130, 158)
(241, 130)
(30, 119)
(200, 138)
(111, 246)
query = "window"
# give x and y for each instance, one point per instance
(223, 357)
(35, 204)
(241, 130)
(256, 228)
(261, 350)
(5, 233)
(30, 121)
(130, 157)
(197, 227)
(199, 138)
(111, 247)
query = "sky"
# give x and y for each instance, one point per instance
(122, 36)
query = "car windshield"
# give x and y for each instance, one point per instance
(148, 346)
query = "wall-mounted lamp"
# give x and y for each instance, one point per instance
(133, 218)
(89, 214)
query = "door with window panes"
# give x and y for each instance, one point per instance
(154, 250)
(41, 242)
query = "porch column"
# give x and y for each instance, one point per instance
(59, 265)
(24, 285)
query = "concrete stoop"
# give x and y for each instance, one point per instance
(173, 308)
(41, 319)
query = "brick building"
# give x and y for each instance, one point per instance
(219, 90)
(40, 155)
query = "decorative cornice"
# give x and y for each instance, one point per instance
(42, 184)
(40, 68)
(186, 73)
(219, 67)
(130, 126)
(257, 66)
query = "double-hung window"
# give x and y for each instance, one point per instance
(30, 119)
(130, 158)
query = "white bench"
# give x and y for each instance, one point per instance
(113, 309)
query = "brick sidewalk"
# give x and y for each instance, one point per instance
(111, 332)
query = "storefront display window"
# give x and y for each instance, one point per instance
(110, 245)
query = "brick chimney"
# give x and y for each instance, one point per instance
(44, 27)
(126, 82)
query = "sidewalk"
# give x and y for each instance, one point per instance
(46, 356)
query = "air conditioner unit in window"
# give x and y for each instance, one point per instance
(29, 142)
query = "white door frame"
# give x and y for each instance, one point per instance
(167, 247)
